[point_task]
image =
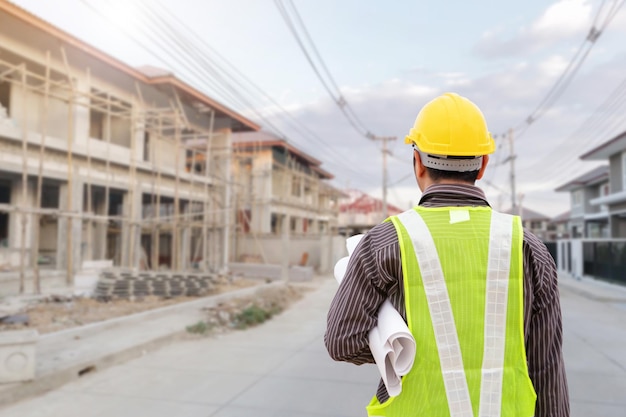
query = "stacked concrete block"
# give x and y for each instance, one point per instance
(129, 285)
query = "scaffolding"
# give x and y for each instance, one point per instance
(283, 203)
(144, 207)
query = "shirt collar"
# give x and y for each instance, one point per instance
(453, 194)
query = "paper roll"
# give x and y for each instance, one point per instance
(391, 343)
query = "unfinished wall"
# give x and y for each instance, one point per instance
(28, 110)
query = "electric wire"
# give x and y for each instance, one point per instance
(572, 68)
(294, 123)
(202, 69)
(605, 121)
(336, 95)
(569, 72)
(300, 127)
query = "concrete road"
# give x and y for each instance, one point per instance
(281, 369)
(594, 347)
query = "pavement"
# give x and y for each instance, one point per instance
(144, 365)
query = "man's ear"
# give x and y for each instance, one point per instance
(481, 172)
(420, 169)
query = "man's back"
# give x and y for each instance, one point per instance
(376, 274)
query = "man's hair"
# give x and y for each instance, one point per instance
(467, 176)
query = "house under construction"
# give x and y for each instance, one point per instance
(286, 207)
(94, 160)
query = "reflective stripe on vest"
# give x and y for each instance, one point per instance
(503, 366)
(441, 314)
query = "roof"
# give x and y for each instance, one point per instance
(562, 218)
(252, 140)
(608, 148)
(595, 176)
(528, 214)
(360, 202)
(147, 74)
(151, 71)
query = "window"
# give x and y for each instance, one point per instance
(295, 186)
(146, 146)
(5, 97)
(276, 223)
(604, 191)
(50, 196)
(5, 198)
(96, 124)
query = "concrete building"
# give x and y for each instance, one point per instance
(286, 207)
(537, 223)
(359, 212)
(93, 159)
(588, 220)
(560, 227)
(614, 200)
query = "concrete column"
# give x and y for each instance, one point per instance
(100, 235)
(229, 212)
(286, 234)
(76, 230)
(16, 220)
(131, 232)
(185, 240)
(80, 109)
(577, 258)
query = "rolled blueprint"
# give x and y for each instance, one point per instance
(391, 343)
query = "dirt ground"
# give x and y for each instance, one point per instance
(58, 312)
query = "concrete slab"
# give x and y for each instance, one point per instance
(300, 396)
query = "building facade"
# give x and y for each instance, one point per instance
(282, 194)
(94, 159)
(587, 220)
(539, 224)
(613, 201)
(359, 212)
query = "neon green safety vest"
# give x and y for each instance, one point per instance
(463, 285)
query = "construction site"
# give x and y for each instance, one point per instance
(106, 165)
(95, 161)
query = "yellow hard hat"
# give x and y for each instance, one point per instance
(451, 125)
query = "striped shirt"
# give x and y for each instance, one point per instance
(375, 274)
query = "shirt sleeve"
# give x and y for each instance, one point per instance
(545, 333)
(354, 309)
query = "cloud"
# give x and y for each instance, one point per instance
(554, 66)
(560, 21)
(547, 153)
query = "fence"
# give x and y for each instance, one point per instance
(603, 259)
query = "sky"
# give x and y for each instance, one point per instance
(386, 60)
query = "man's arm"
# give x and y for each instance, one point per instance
(354, 309)
(545, 334)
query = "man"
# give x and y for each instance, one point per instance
(479, 294)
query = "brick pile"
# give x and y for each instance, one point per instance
(127, 285)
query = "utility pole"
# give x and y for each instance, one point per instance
(385, 151)
(511, 160)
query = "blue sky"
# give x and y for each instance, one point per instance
(388, 59)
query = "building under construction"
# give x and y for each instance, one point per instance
(286, 208)
(95, 161)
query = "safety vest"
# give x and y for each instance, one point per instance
(463, 287)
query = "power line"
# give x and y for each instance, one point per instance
(561, 84)
(193, 60)
(572, 68)
(330, 86)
